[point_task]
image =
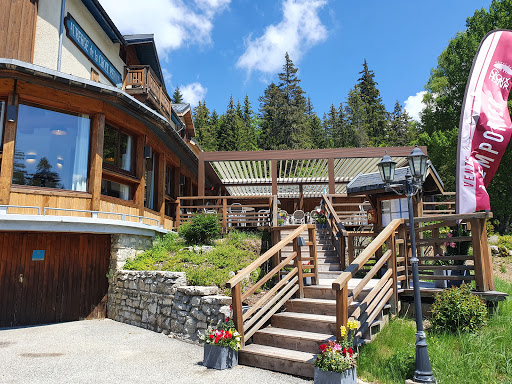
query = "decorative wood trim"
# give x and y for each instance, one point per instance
(8, 154)
(49, 192)
(117, 200)
(95, 172)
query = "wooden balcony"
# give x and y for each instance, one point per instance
(141, 82)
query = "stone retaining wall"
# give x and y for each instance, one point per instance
(162, 302)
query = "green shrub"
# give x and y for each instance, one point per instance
(201, 229)
(401, 363)
(456, 309)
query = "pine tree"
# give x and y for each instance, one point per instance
(271, 134)
(356, 133)
(294, 122)
(206, 132)
(248, 140)
(399, 130)
(316, 131)
(230, 129)
(177, 97)
(375, 112)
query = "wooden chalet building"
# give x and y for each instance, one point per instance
(90, 147)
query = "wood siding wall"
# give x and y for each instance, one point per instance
(17, 29)
(70, 284)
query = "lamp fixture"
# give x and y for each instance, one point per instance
(148, 152)
(387, 168)
(59, 131)
(30, 157)
(60, 162)
(12, 113)
(417, 163)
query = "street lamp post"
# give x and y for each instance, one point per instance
(413, 184)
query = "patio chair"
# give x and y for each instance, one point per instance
(239, 219)
(298, 217)
(263, 217)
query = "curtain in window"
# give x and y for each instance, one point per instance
(80, 166)
(126, 158)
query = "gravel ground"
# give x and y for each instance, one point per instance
(110, 352)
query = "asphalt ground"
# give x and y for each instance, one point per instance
(105, 351)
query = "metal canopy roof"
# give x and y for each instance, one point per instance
(253, 177)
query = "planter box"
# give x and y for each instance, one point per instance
(218, 357)
(328, 377)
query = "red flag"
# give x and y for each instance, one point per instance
(485, 125)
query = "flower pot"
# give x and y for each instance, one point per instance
(442, 283)
(219, 357)
(328, 377)
(306, 281)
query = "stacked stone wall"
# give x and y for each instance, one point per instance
(162, 302)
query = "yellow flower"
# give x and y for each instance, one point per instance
(343, 330)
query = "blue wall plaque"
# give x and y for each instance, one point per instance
(38, 255)
(86, 45)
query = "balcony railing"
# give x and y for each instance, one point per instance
(140, 79)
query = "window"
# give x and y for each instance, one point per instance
(150, 187)
(394, 209)
(169, 180)
(118, 150)
(52, 149)
(111, 188)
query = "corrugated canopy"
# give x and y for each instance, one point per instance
(253, 177)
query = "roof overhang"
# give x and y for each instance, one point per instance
(103, 19)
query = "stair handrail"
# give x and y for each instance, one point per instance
(337, 229)
(387, 285)
(247, 323)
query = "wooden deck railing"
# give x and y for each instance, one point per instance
(288, 285)
(383, 290)
(336, 229)
(233, 211)
(431, 242)
(142, 79)
(443, 204)
(351, 211)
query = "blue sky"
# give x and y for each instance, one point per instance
(212, 49)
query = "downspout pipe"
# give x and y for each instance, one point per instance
(61, 32)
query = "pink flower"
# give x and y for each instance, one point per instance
(336, 347)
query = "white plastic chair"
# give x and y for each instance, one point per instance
(263, 217)
(237, 208)
(299, 217)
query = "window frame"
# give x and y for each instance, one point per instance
(115, 167)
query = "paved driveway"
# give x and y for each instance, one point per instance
(105, 351)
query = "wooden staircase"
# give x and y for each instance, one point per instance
(290, 342)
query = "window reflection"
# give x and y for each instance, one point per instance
(111, 188)
(52, 149)
(118, 149)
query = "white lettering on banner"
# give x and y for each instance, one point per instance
(469, 177)
(79, 37)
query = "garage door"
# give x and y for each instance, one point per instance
(48, 278)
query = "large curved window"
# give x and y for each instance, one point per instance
(52, 149)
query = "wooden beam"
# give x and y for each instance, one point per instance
(140, 172)
(482, 256)
(273, 165)
(330, 165)
(304, 154)
(200, 175)
(8, 153)
(160, 183)
(176, 181)
(97, 138)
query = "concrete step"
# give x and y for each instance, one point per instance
(278, 359)
(291, 339)
(306, 322)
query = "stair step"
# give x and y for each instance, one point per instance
(325, 267)
(320, 292)
(278, 359)
(291, 339)
(316, 306)
(306, 322)
(328, 274)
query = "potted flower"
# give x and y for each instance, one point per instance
(221, 346)
(336, 362)
(320, 219)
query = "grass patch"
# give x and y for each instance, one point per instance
(465, 358)
(216, 267)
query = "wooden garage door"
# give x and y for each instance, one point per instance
(67, 283)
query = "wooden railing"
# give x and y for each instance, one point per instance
(382, 291)
(142, 79)
(443, 204)
(351, 211)
(431, 242)
(288, 285)
(233, 211)
(336, 229)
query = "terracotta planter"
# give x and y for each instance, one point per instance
(219, 357)
(328, 377)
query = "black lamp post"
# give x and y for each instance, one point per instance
(413, 184)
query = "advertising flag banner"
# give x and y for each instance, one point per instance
(485, 126)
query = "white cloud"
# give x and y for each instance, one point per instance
(299, 30)
(174, 23)
(414, 105)
(193, 93)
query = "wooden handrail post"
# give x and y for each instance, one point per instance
(225, 214)
(343, 261)
(341, 309)
(350, 248)
(392, 261)
(274, 211)
(178, 214)
(298, 263)
(482, 256)
(236, 296)
(312, 252)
